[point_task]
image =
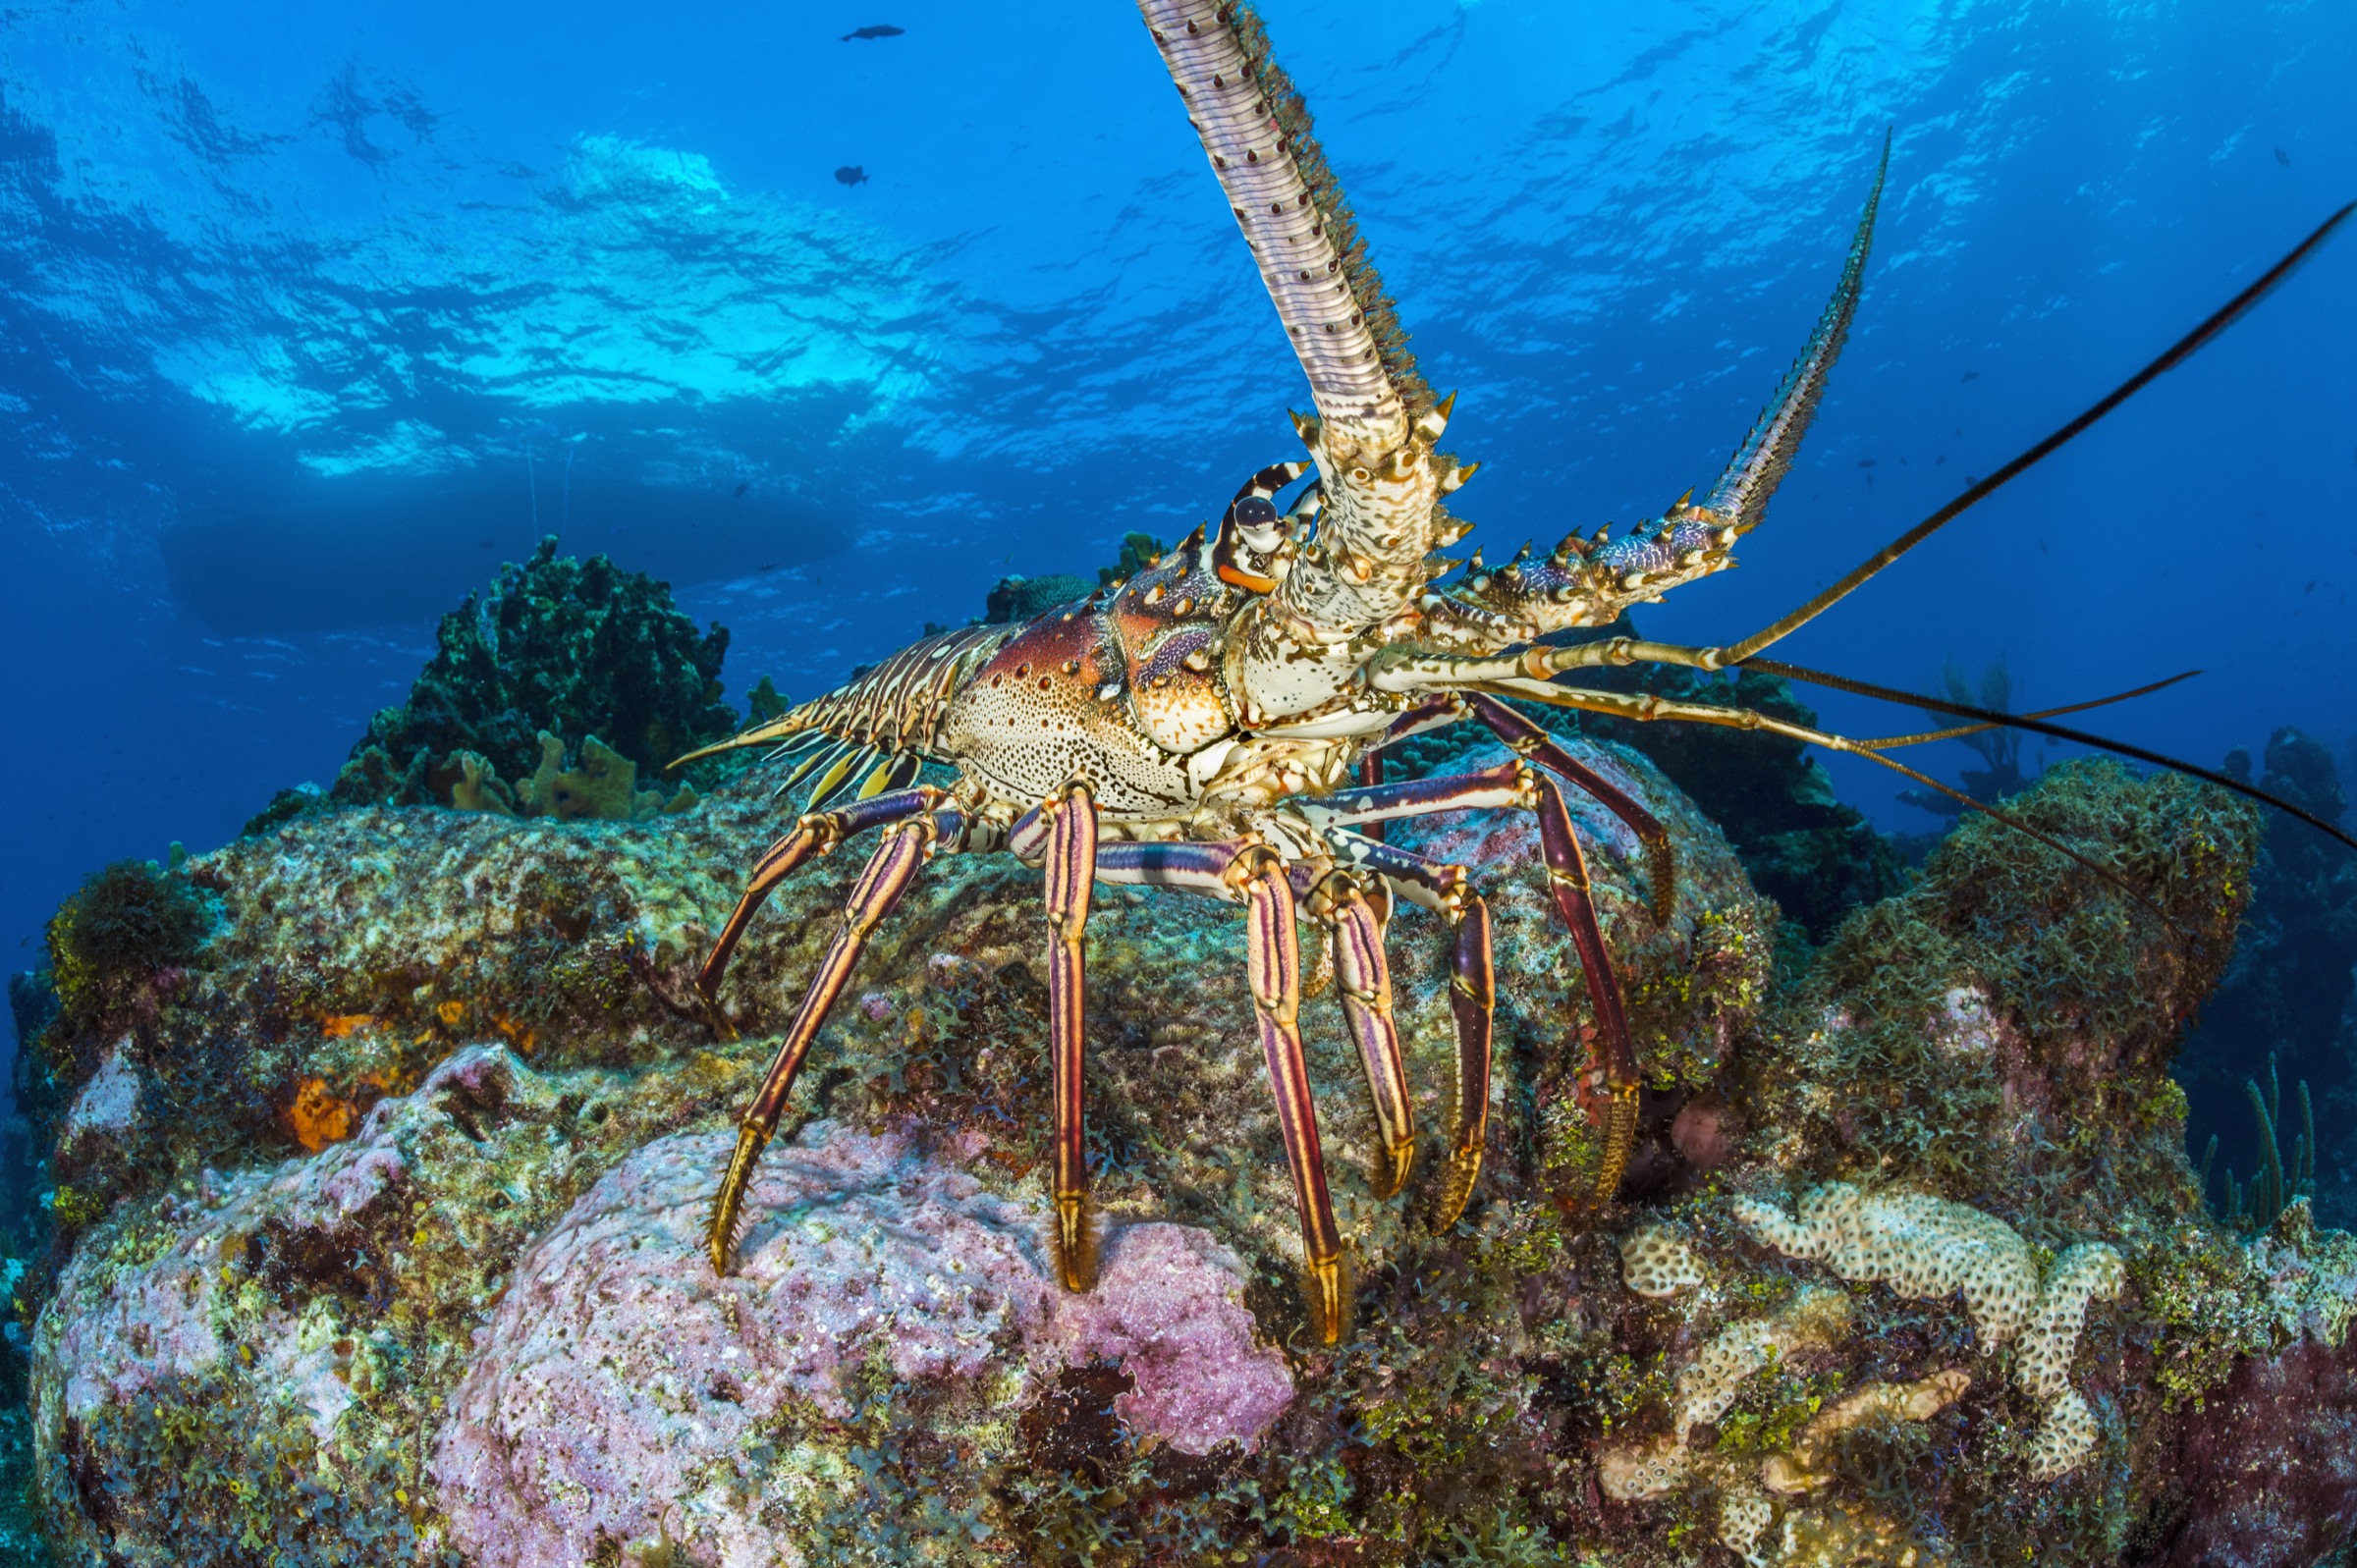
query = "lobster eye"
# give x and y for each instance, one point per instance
(1256, 512)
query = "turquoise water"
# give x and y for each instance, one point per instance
(314, 313)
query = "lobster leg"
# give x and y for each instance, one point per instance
(1529, 741)
(1472, 1001)
(1273, 957)
(1574, 900)
(815, 834)
(1363, 984)
(888, 875)
(1072, 871)
(1516, 785)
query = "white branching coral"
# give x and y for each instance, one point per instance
(1743, 1520)
(2063, 1439)
(1926, 1246)
(1656, 1262)
(1918, 1244)
(2082, 1273)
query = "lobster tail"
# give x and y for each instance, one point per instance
(871, 732)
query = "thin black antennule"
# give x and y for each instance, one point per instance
(2014, 721)
(2226, 316)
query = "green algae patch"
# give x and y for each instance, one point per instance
(124, 927)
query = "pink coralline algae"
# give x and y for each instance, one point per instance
(620, 1389)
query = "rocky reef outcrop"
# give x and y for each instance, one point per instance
(380, 1203)
(559, 649)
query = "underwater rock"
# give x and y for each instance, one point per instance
(1020, 599)
(559, 645)
(620, 1379)
(477, 1324)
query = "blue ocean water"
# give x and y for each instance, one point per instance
(312, 315)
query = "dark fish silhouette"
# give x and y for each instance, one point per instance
(1865, 462)
(2282, 157)
(742, 485)
(850, 174)
(880, 30)
(1972, 375)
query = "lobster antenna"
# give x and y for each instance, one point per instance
(2017, 721)
(2226, 316)
(1588, 700)
(1960, 731)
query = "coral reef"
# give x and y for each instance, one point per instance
(378, 1201)
(558, 645)
(126, 926)
(619, 1368)
(1019, 599)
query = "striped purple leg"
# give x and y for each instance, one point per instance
(815, 834)
(1529, 741)
(1472, 1001)
(1071, 868)
(1273, 963)
(1574, 900)
(888, 872)
(1363, 983)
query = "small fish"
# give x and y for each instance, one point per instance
(1943, 457)
(1972, 375)
(2311, 588)
(850, 174)
(885, 30)
(1865, 462)
(482, 543)
(2041, 550)
(2282, 157)
(742, 485)
(767, 566)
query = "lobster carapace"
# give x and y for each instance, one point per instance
(1216, 723)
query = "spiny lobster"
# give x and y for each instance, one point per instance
(1216, 723)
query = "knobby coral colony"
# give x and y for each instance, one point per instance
(1199, 725)
(559, 647)
(1920, 1271)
